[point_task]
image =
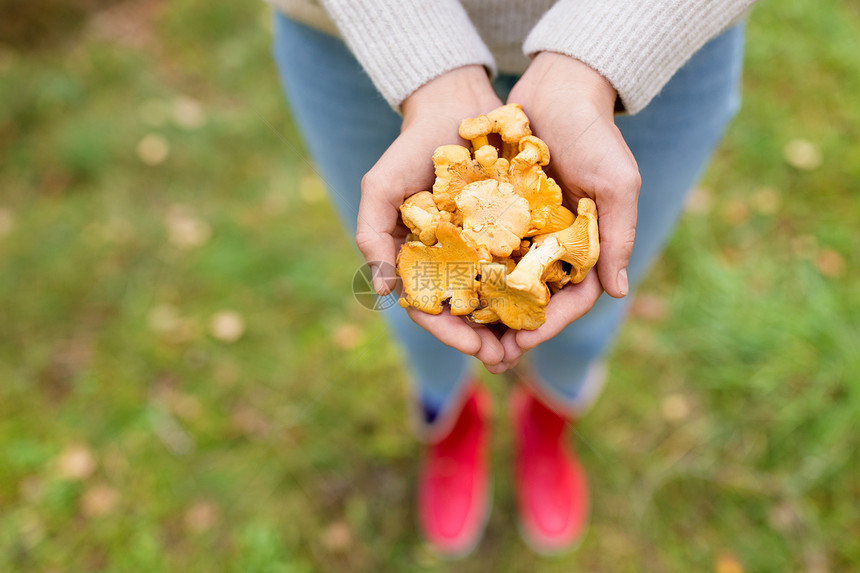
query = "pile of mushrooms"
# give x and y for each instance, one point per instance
(492, 238)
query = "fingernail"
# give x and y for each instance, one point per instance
(623, 286)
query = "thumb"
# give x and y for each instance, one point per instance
(377, 219)
(617, 210)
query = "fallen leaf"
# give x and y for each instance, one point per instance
(736, 212)
(802, 154)
(171, 433)
(153, 149)
(187, 113)
(782, 517)
(99, 500)
(248, 421)
(649, 306)
(699, 201)
(185, 406)
(275, 202)
(227, 326)
(805, 246)
(728, 563)
(816, 561)
(830, 263)
(186, 230)
(7, 221)
(675, 408)
(337, 537)
(767, 201)
(201, 516)
(347, 336)
(76, 462)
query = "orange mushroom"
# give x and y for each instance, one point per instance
(420, 214)
(509, 121)
(581, 241)
(543, 193)
(493, 215)
(445, 271)
(493, 238)
(455, 169)
(519, 299)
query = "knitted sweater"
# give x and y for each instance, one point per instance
(638, 45)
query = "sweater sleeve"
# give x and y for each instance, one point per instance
(403, 44)
(636, 45)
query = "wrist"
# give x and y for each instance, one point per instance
(468, 89)
(551, 68)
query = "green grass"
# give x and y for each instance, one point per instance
(728, 431)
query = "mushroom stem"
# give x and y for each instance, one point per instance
(580, 240)
(528, 272)
(479, 142)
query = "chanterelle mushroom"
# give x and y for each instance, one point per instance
(455, 169)
(447, 270)
(543, 193)
(520, 298)
(492, 236)
(420, 214)
(493, 215)
(509, 121)
(581, 240)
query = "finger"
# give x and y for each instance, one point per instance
(499, 368)
(491, 352)
(564, 307)
(450, 330)
(512, 349)
(377, 221)
(617, 209)
(502, 367)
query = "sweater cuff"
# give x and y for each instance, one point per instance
(637, 46)
(403, 45)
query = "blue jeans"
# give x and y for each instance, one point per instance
(347, 125)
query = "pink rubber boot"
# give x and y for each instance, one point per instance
(453, 489)
(551, 484)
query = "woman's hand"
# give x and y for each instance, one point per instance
(431, 117)
(571, 107)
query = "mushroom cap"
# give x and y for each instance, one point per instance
(516, 308)
(532, 151)
(509, 121)
(475, 127)
(455, 169)
(445, 271)
(530, 182)
(420, 214)
(581, 240)
(423, 200)
(493, 215)
(558, 218)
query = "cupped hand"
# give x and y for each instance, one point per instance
(431, 117)
(571, 107)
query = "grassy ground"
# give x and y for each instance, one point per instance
(180, 391)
